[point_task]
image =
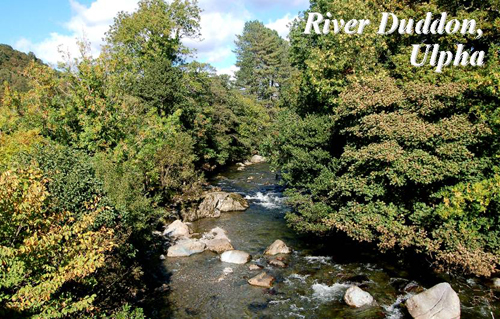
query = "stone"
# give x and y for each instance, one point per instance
(254, 267)
(235, 257)
(227, 271)
(413, 287)
(177, 229)
(218, 245)
(216, 233)
(162, 257)
(241, 168)
(240, 164)
(232, 202)
(157, 233)
(186, 247)
(496, 283)
(262, 280)
(278, 247)
(277, 263)
(357, 297)
(438, 302)
(256, 159)
(217, 241)
(215, 203)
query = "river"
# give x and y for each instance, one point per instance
(318, 273)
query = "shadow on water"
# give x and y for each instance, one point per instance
(318, 273)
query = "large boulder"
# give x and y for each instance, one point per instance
(262, 280)
(215, 203)
(496, 283)
(438, 302)
(217, 240)
(278, 247)
(235, 257)
(218, 245)
(177, 229)
(357, 297)
(186, 247)
(216, 233)
(256, 159)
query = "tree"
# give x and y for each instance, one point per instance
(156, 29)
(225, 125)
(12, 64)
(387, 153)
(43, 254)
(119, 143)
(145, 49)
(262, 58)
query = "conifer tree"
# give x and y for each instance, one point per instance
(262, 58)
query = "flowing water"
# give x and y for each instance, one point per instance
(319, 270)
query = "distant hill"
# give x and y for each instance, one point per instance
(12, 64)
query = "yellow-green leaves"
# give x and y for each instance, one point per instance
(41, 251)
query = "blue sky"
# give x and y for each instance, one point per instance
(50, 26)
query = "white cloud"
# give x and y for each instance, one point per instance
(51, 49)
(229, 70)
(89, 23)
(282, 25)
(218, 32)
(301, 4)
(221, 21)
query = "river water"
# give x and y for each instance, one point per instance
(318, 273)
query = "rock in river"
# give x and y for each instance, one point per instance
(215, 203)
(357, 297)
(262, 280)
(256, 159)
(235, 257)
(278, 247)
(254, 267)
(496, 283)
(216, 233)
(186, 247)
(177, 229)
(277, 263)
(218, 245)
(438, 302)
(217, 240)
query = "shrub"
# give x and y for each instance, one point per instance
(46, 256)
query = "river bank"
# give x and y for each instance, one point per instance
(319, 270)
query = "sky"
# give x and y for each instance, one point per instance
(50, 27)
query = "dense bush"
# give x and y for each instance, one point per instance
(44, 254)
(387, 153)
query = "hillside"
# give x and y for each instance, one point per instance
(12, 64)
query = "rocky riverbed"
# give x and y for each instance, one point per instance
(296, 276)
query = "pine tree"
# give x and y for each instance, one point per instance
(262, 58)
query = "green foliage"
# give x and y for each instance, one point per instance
(156, 29)
(42, 251)
(262, 58)
(225, 125)
(12, 65)
(119, 143)
(128, 313)
(72, 182)
(387, 153)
